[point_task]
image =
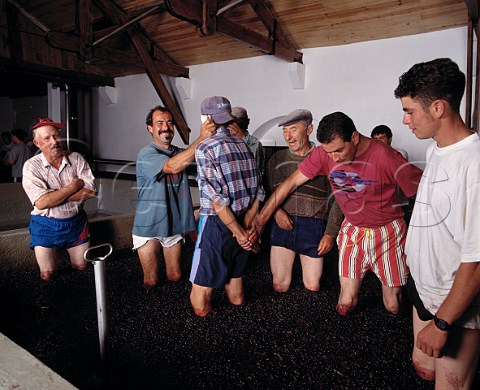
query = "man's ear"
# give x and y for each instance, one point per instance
(355, 137)
(437, 108)
(150, 129)
(309, 129)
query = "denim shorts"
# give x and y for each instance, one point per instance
(218, 257)
(303, 238)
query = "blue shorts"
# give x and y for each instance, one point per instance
(59, 233)
(217, 257)
(303, 238)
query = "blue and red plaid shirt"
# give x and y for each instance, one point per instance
(227, 174)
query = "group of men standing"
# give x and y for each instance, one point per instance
(345, 190)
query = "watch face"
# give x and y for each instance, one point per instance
(441, 324)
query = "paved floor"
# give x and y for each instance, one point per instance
(20, 370)
(274, 341)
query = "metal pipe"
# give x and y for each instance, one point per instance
(100, 290)
(67, 116)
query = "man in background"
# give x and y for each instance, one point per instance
(239, 129)
(384, 134)
(18, 154)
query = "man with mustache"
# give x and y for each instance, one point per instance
(57, 182)
(164, 211)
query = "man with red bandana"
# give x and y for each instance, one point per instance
(57, 182)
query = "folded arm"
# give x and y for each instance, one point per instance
(60, 196)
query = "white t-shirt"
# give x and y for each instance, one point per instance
(445, 227)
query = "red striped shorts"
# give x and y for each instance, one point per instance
(380, 249)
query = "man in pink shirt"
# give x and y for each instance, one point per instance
(57, 182)
(364, 176)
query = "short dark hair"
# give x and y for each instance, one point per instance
(243, 123)
(335, 124)
(382, 129)
(428, 81)
(149, 119)
(20, 134)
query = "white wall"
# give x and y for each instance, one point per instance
(357, 79)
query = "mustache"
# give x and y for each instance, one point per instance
(165, 131)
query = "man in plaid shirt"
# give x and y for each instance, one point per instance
(230, 194)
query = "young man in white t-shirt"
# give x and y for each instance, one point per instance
(443, 246)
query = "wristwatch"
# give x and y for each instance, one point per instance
(442, 324)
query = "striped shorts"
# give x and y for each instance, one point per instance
(380, 249)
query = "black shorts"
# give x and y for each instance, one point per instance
(413, 296)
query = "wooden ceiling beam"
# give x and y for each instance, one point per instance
(209, 20)
(125, 25)
(101, 53)
(269, 21)
(250, 37)
(59, 75)
(193, 13)
(473, 8)
(160, 87)
(83, 22)
(14, 38)
(152, 70)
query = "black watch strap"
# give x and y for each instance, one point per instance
(442, 324)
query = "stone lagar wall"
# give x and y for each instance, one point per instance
(16, 255)
(110, 215)
(114, 197)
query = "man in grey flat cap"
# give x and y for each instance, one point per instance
(307, 222)
(239, 129)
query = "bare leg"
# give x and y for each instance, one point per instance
(424, 364)
(456, 370)
(76, 256)
(234, 291)
(312, 269)
(172, 261)
(149, 255)
(392, 296)
(201, 298)
(348, 299)
(47, 260)
(281, 264)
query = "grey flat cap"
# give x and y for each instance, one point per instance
(296, 116)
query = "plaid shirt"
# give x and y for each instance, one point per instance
(227, 174)
(40, 177)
